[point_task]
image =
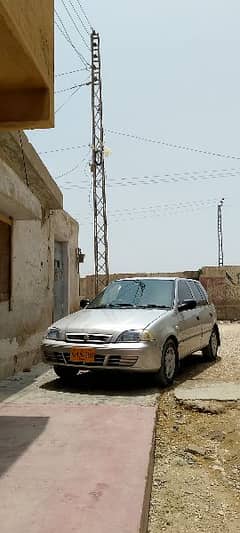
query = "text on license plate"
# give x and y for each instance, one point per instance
(82, 355)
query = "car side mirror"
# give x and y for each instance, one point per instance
(84, 303)
(186, 305)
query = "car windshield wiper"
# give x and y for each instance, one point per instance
(111, 306)
(121, 305)
(154, 306)
(97, 306)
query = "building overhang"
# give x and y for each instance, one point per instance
(26, 73)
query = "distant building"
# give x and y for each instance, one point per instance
(39, 278)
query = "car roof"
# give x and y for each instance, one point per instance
(162, 278)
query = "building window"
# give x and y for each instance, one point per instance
(5, 259)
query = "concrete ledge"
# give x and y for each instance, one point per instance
(16, 199)
(75, 469)
(41, 182)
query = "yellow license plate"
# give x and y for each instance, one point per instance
(82, 355)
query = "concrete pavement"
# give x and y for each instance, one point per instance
(78, 469)
(198, 390)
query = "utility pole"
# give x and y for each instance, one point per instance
(220, 232)
(98, 171)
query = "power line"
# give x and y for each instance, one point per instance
(66, 35)
(157, 207)
(73, 87)
(66, 101)
(70, 72)
(176, 177)
(64, 149)
(156, 211)
(67, 172)
(85, 14)
(71, 44)
(74, 23)
(154, 141)
(79, 18)
(174, 146)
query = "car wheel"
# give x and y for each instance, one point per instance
(210, 352)
(65, 373)
(169, 364)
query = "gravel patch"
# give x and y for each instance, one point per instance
(196, 480)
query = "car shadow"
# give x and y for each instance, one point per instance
(110, 383)
(104, 383)
(192, 367)
(17, 434)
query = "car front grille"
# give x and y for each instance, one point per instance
(88, 338)
(59, 357)
(111, 361)
(122, 360)
(55, 357)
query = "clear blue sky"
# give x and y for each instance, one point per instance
(171, 72)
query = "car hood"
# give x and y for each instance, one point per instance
(109, 320)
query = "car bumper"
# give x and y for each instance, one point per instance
(141, 357)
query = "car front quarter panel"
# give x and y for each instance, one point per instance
(164, 328)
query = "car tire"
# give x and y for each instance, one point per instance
(169, 364)
(210, 352)
(65, 373)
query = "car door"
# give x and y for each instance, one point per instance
(189, 327)
(207, 314)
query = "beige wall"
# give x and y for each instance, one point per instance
(223, 287)
(35, 207)
(31, 307)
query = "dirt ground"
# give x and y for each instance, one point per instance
(196, 481)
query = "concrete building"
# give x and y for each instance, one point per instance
(39, 278)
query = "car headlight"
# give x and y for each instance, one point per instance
(55, 334)
(133, 335)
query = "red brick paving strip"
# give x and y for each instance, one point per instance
(78, 469)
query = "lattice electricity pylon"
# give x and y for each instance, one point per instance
(98, 171)
(220, 232)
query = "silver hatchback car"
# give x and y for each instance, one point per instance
(136, 324)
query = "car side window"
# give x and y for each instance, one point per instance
(184, 292)
(203, 293)
(196, 293)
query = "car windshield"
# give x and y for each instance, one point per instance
(136, 293)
